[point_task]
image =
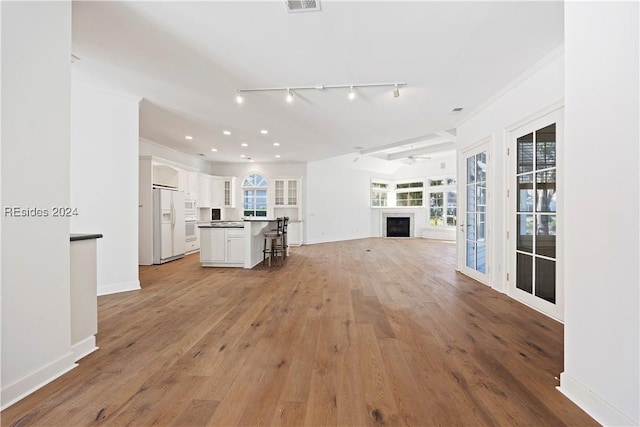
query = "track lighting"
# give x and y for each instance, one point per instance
(290, 89)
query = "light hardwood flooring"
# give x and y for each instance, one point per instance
(364, 332)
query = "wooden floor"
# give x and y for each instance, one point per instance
(364, 332)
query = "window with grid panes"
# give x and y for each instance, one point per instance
(409, 193)
(379, 194)
(254, 192)
(443, 202)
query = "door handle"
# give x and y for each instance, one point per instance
(462, 227)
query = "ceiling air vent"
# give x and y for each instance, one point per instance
(303, 5)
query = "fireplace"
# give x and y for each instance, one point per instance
(398, 226)
(405, 216)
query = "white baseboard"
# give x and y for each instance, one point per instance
(115, 288)
(32, 382)
(592, 404)
(84, 348)
(335, 239)
(438, 234)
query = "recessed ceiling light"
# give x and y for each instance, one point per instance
(251, 160)
(214, 149)
(189, 137)
(264, 131)
(276, 144)
(243, 156)
(239, 98)
(278, 155)
(226, 132)
(244, 144)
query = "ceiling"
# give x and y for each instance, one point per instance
(187, 60)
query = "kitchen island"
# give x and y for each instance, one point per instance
(233, 243)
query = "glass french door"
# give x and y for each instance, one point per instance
(473, 227)
(534, 217)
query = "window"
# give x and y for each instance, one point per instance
(254, 191)
(443, 204)
(409, 193)
(442, 209)
(379, 194)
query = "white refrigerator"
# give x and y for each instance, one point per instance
(168, 225)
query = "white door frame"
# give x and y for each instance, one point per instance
(485, 145)
(553, 114)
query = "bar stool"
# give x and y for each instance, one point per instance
(275, 238)
(285, 245)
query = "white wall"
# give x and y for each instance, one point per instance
(540, 87)
(270, 170)
(338, 205)
(150, 148)
(36, 340)
(602, 310)
(104, 177)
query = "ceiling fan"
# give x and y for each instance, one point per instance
(412, 160)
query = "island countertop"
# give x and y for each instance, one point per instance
(222, 224)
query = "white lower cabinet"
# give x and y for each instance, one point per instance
(235, 245)
(294, 233)
(222, 247)
(191, 246)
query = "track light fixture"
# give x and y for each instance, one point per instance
(290, 89)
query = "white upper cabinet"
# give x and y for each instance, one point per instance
(286, 192)
(204, 199)
(215, 191)
(165, 176)
(228, 199)
(189, 184)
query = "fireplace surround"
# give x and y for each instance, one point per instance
(385, 227)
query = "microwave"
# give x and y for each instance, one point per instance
(189, 205)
